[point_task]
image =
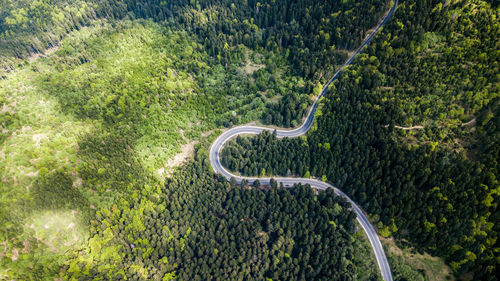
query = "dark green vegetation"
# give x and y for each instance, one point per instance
(313, 36)
(436, 186)
(86, 132)
(310, 31)
(96, 122)
(201, 227)
(97, 97)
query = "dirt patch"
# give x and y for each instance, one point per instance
(37, 138)
(208, 133)
(5, 108)
(33, 174)
(47, 52)
(15, 254)
(418, 127)
(77, 182)
(4, 245)
(471, 123)
(24, 129)
(27, 247)
(187, 151)
(33, 161)
(251, 67)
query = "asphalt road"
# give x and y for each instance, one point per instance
(218, 144)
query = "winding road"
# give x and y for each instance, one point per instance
(218, 144)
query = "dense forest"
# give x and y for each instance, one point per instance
(312, 36)
(311, 31)
(199, 228)
(435, 184)
(97, 96)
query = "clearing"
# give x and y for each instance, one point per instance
(433, 268)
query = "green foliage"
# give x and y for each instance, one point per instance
(407, 264)
(76, 131)
(55, 191)
(258, 234)
(169, 276)
(87, 129)
(239, 155)
(305, 38)
(383, 230)
(403, 271)
(254, 231)
(443, 70)
(425, 186)
(29, 27)
(365, 265)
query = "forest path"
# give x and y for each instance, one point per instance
(218, 144)
(470, 123)
(418, 127)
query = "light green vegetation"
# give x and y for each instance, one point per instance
(94, 122)
(28, 27)
(366, 267)
(48, 238)
(135, 81)
(40, 212)
(441, 77)
(85, 132)
(407, 264)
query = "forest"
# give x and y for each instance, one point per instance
(98, 96)
(312, 36)
(435, 185)
(199, 228)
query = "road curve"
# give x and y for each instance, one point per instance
(218, 144)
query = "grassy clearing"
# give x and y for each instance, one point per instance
(407, 263)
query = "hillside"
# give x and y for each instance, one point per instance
(108, 110)
(435, 184)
